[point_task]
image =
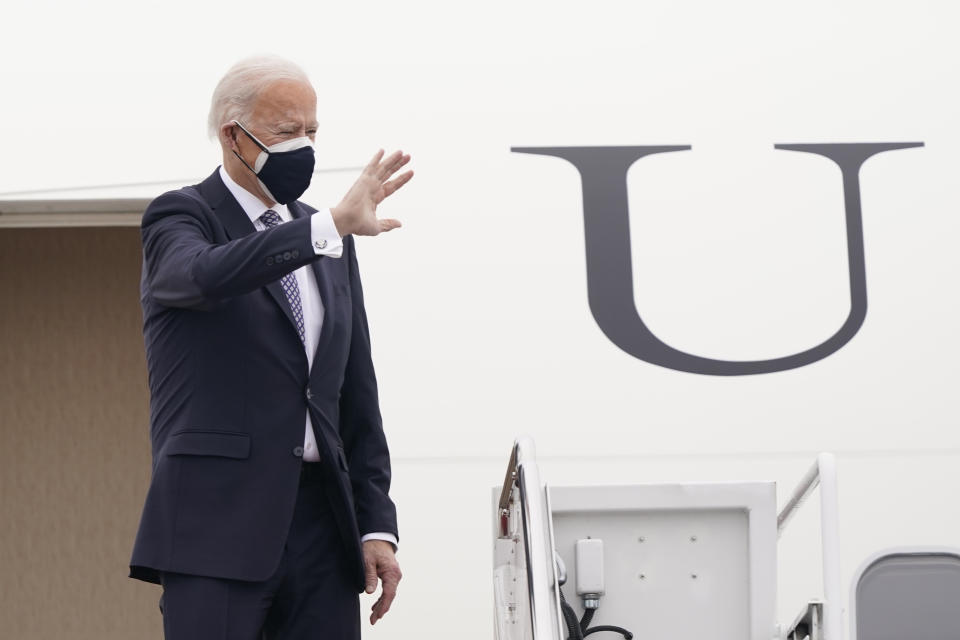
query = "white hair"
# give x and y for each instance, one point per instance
(238, 89)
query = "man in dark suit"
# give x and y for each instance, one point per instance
(268, 509)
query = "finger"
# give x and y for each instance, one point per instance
(374, 162)
(384, 169)
(370, 570)
(396, 183)
(377, 611)
(386, 600)
(396, 165)
(390, 579)
(388, 224)
(382, 605)
(402, 160)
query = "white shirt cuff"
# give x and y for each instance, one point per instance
(323, 235)
(388, 537)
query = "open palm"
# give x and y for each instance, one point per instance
(357, 212)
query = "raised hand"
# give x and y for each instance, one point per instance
(357, 212)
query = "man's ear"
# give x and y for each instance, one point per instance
(228, 137)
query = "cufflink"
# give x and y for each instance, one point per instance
(320, 245)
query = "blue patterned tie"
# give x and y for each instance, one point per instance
(289, 281)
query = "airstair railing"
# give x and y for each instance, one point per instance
(522, 484)
(828, 612)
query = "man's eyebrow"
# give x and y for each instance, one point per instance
(284, 124)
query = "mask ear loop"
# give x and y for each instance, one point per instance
(255, 141)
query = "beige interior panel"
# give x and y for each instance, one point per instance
(74, 446)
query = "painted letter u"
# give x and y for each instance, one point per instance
(603, 172)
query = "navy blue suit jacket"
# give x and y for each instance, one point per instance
(230, 388)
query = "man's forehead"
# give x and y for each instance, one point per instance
(286, 98)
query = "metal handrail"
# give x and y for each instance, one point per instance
(823, 473)
(522, 474)
(508, 480)
(809, 624)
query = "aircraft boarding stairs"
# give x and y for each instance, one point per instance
(693, 562)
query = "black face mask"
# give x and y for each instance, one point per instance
(284, 169)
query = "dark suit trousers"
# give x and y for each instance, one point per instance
(310, 596)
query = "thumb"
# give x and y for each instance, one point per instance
(371, 571)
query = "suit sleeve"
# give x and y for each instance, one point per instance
(362, 428)
(183, 266)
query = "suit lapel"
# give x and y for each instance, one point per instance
(324, 286)
(238, 225)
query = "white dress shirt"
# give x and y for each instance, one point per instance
(326, 242)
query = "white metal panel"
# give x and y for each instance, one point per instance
(681, 560)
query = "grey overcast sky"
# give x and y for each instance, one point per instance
(110, 92)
